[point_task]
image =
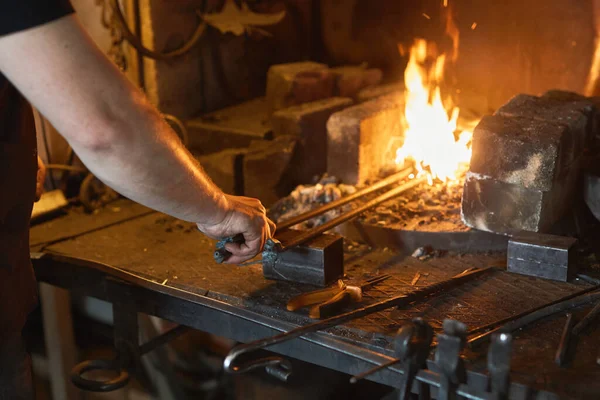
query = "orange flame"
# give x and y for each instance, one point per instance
(430, 134)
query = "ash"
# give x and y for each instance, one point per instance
(429, 208)
(308, 197)
(424, 208)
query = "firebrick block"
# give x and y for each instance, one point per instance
(232, 127)
(308, 122)
(349, 80)
(297, 83)
(542, 255)
(373, 92)
(500, 207)
(592, 109)
(359, 137)
(265, 166)
(523, 151)
(576, 116)
(224, 168)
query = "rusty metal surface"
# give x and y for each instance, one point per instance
(174, 253)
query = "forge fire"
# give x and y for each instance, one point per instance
(290, 199)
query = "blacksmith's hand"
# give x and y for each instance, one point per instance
(246, 216)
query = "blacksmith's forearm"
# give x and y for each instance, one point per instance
(107, 121)
(143, 160)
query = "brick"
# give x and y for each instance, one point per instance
(495, 206)
(231, 127)
(297, 83)
(521, 151)
(309, 123)
(373, 92)
(593, 112)
(350, 80)
(265, 167)
(576, 116)
(359, 137)
(225, 169)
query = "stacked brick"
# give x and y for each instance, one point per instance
(526, 162)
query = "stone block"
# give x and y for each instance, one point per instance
(500, 207)
(297, 83)
(349, 80)
(373, 92)
(308, 122)
(225, 169)
(231, 127)
(593, 112)
(576, 116)
(358, 139)
(522, 151)
(265, 166)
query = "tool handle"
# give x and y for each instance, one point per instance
(317, 296)
(221, 254)
(337, 303)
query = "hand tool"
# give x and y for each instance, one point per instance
(412, 345)
(541, 255)
(401, 300)
(498, 363)
(563, 345)
(508, 324)
(331, 300)
(447, 358)
(221, 253)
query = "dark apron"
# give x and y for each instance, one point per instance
(18, 168)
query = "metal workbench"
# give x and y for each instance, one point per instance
(179, 281)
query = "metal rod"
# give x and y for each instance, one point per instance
(316, 231)
(344, 200)
(563, 345)
(396, 301)
(497, 324)
(581, 325)
(163, 338)
(536, 315)
(531, 311)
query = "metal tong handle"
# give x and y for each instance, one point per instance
(230, 365)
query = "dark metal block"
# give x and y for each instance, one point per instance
(319, 262)
(541, 255)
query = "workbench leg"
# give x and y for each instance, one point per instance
(59, 339)
(127, 336)
(164, 378)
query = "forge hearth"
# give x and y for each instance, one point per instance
(425, 216)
